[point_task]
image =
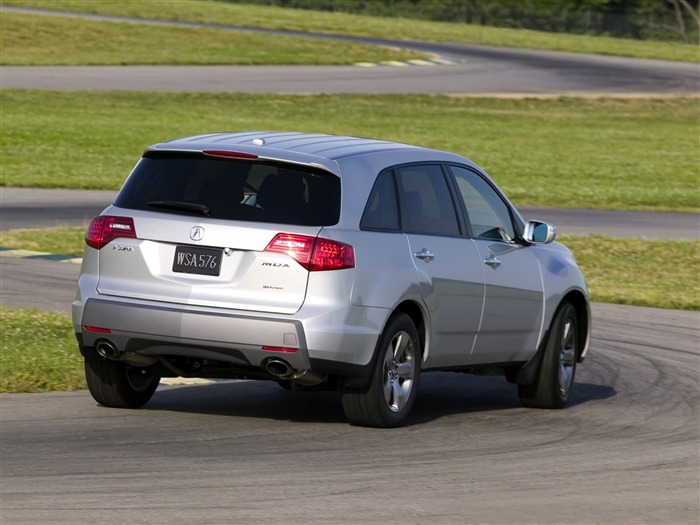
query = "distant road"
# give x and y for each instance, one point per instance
(477, 70)
(513, 73)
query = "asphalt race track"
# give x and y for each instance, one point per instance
(625, 452)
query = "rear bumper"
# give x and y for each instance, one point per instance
(331, 341)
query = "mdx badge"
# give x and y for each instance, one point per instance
(197, 233)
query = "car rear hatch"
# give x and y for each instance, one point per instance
(215, 230)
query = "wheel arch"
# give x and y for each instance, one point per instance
(529, 372)
(415, 312)
(387, 398)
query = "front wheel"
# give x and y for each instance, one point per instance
(556, 376)
(391, 392)
(118, 385)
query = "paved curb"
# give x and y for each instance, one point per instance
(436, 61)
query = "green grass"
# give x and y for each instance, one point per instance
(64, 241)
(637, 272)
(39, 352)
(46, 40)
(631, 154)
(341, 23)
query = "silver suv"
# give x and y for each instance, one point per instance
(322, 261)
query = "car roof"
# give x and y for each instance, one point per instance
(317, 149)
(317, 144)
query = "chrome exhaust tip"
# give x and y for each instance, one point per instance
(279, 368)
(107, 349)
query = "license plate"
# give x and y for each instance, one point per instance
(202, 261)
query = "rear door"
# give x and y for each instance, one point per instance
(514, 301)
(448, 265)
(204, 228)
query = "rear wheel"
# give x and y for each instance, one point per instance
(119, 385)
(391, 392)
(556, 376)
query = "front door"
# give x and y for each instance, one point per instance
(511, 326)
(513, 308)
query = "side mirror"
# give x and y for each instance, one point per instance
(539, 232)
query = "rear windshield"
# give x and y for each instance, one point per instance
(232, 189)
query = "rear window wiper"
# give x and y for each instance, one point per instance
(181, 206)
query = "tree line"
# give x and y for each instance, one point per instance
(671, 20)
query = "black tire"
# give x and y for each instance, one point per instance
(391, 392)
(556, 376)
(118, 385)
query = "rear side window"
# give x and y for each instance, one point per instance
(382, 210)
(232, 189)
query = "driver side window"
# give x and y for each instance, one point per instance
(487, 213)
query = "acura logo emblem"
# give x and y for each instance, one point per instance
(197, 233)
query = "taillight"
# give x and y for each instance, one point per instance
(332, 255)
(314, 253)
(106, 228)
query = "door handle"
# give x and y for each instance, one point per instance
(425, 255)
(493, 262)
